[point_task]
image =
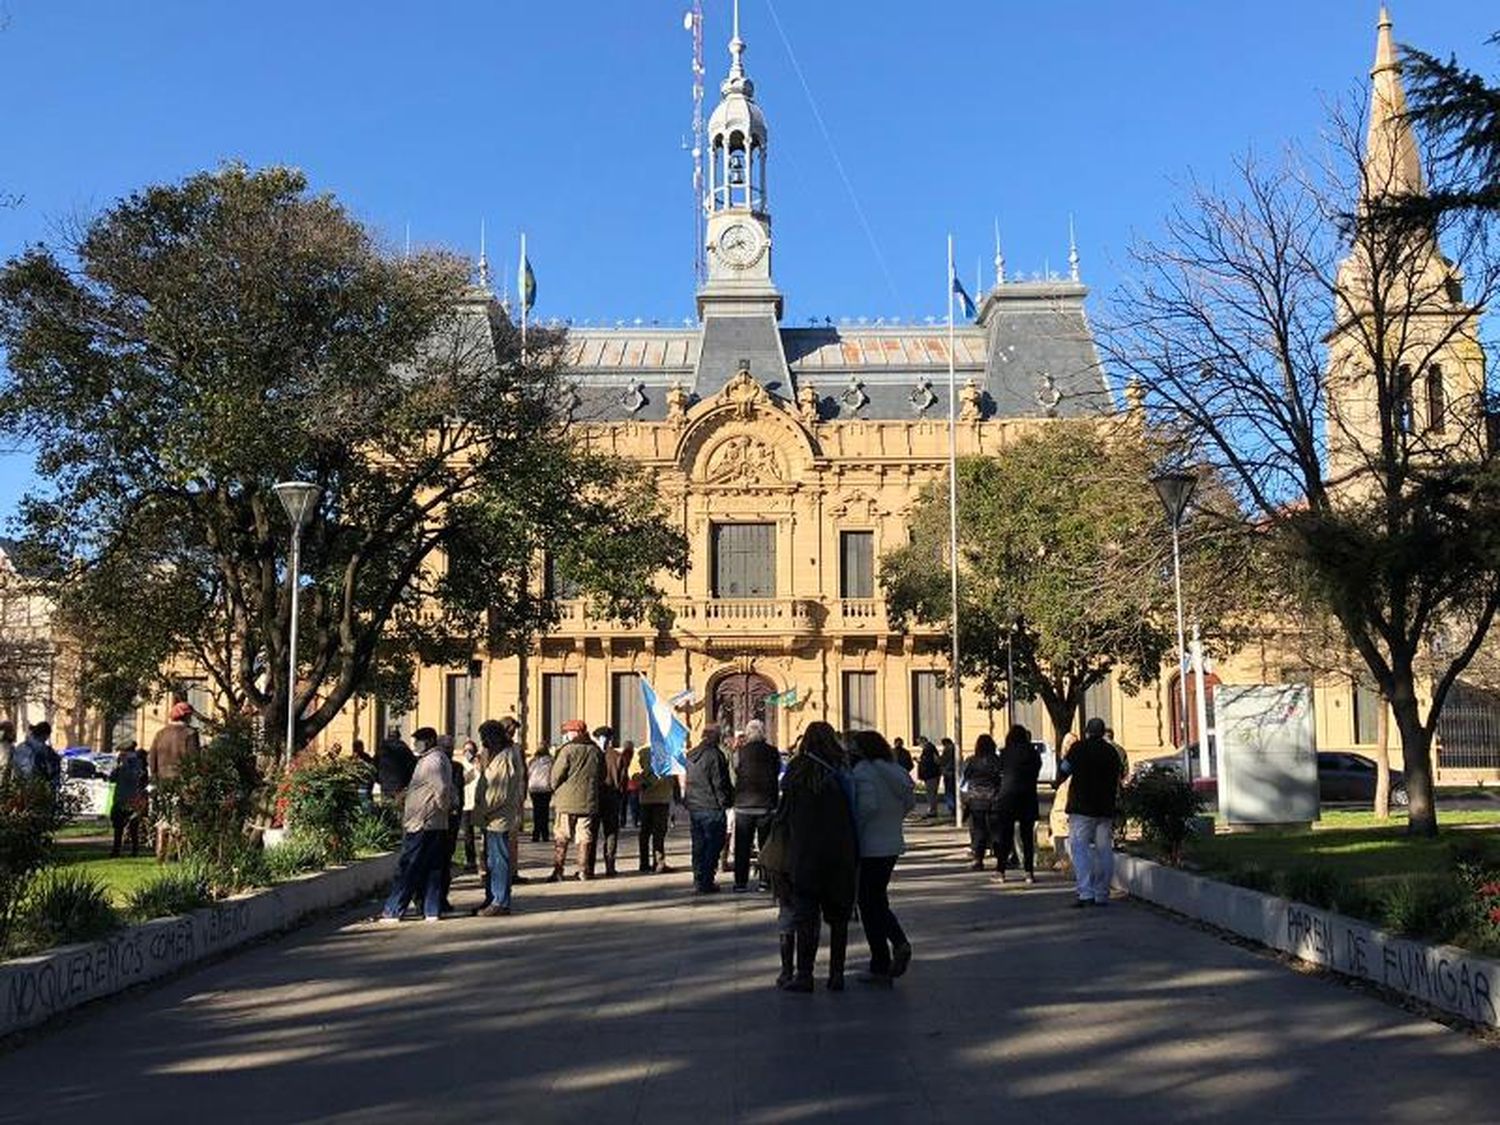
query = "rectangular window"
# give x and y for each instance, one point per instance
(859, 701)
(1098, 704)
(459, 715)
(929, 699)
(387, 721)
(628, 709)
(1365, 711)
(1032, 714)
(1437, 400)
(559, 704)
(744, 560)
(555, 583)
(1405, 408)
(856, 564)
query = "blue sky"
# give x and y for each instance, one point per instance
(568, 119)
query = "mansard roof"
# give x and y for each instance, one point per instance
(1030, 353)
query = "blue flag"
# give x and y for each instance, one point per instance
(966, 303)
(669, 736)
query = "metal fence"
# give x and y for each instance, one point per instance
(1469, 729)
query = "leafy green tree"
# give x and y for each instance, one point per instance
(198, 342)
(1064, 554)
(1461, 111)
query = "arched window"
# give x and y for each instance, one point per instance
(1437, 400)
(1405, 408)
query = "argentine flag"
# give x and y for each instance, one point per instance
(965, 302)
(669, 736)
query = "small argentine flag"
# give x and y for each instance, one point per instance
(965, 302)
(668, 735)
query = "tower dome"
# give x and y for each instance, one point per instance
(737, 139)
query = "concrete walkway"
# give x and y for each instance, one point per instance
(630, 1000)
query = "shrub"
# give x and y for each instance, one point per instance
(323, 797)
(30, 816)
(378, 829)
(243, 868)
(1314, 885)
(211, 798)
(296, 855)
(1252, 876)
(175, 891)
(1427, 907)
(1165, 806)
(66, 906)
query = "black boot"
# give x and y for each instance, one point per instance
(838, 940)
(807, 955)
(788, 952)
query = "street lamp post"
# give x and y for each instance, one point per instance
(1175, 488)
(299, 498)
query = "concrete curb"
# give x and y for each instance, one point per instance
(34, 989)
(1443, 976)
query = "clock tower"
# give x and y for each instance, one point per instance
(739, 218)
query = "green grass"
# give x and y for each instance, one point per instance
(122, 876)
(1366, 868)
(92, 826)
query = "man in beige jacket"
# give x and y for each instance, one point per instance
(499, 793)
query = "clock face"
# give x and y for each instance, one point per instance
(740, 244)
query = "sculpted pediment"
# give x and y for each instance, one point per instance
(743, 459)
(744, 436)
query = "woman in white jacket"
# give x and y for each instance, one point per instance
(883, 795)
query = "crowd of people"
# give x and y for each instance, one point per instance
(820, 828)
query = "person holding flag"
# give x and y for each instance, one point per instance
(662, 765)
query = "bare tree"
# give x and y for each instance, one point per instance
(1317, 349)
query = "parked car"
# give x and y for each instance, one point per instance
(1205, 787)
(1346, 777)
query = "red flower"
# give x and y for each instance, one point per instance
(1495, 915)
(1490, 890)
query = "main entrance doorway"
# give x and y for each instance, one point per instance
(739, 697)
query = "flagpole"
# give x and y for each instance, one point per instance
(522, 297)
(958, 722)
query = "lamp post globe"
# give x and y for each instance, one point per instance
(300, 499)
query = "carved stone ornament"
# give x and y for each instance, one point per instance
(571, 401)
(677, 403)
(634, 397)
(1047, 394)
(922, 398)
(854, 397)
(744, 393)
(743, 459)
(969, 403)
(807, 403)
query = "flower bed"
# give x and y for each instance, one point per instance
(34, 989)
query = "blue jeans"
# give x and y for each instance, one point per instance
(708, 829)
(1091, 840)
(497, 852)
(418, 873)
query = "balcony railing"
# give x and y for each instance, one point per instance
(744, 617)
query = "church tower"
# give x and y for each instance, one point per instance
(739, 304)
(1400, 308)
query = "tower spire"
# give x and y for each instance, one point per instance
(484, 262)
(1072, 251)
(1392, 165)
(999, 257)
(737, 47)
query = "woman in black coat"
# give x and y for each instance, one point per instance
(1020, 765)
(980, 790)
(817, 881)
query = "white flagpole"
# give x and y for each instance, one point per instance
(521, 285)
(957, 686)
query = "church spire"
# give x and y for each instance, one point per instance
(1392, 165)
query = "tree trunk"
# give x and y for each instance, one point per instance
(1383, 762)
(1416, 756)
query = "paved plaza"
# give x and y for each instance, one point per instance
(630, 1000)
